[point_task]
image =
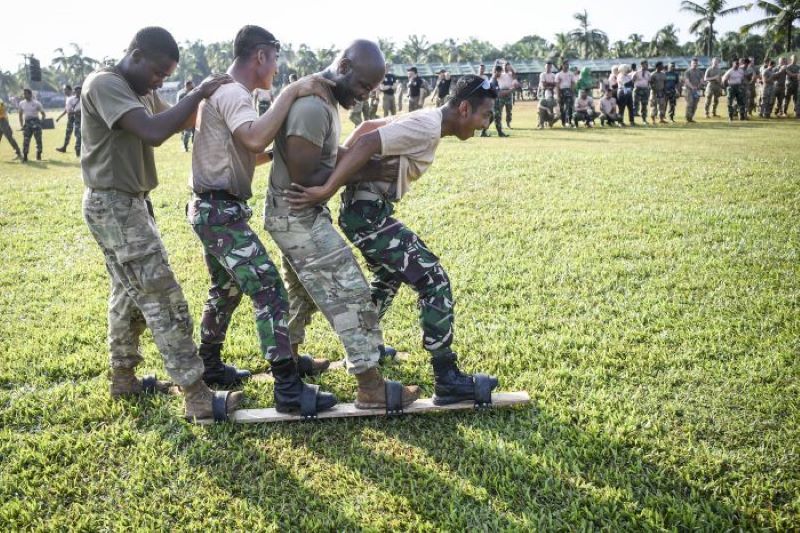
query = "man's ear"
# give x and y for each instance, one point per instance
(344, 66)
(464, 109)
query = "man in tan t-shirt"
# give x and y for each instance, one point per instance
(394, 253)
(230, 142)
(123, 118)
(319, 269)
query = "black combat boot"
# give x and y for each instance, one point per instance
(294, 396)
(218, 373)
(453, 386)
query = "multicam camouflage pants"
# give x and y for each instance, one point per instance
(395, 255)
(767, 100)
(658, 105)
(32, 128)
(5, 131)
(238, 264)
(321, 273)
(144, 290)
(692, 99)
(713, 92)
(641, 97)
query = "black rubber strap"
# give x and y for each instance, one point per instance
(394, 398)
(308, 401)
(305, 366)
(149, 384)
(219, 405)
(482, 390)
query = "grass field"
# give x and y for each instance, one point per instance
(642, 285)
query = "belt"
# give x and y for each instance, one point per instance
(218, 196)
(139, 195)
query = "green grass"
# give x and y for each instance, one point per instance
(642, 285)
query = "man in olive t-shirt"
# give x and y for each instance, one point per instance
(123, 119)
(320, 271)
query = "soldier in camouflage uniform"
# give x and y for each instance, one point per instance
(672, 87)
(767, 89)
(119, 171)
(31, 124)
(658, 97)
(641, 91)
(230, 142)
(320, 271)
(5, 130)
(779, 87)
(356, 116)
(394, 253)
(792, 86)
(188, 133)
(69, 111)
(749, 85)
(692, 79)
(713, 79)
(77, 120)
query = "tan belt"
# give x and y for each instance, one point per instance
(141, 195)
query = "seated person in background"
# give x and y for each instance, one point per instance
(609, 112)
(548, 110)
(584, 109)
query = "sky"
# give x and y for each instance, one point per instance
(103, 29)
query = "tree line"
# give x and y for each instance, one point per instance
(198, 59)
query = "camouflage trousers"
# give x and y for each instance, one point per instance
(767, 101)
(641, 98)
(144, 291)
(395, 255)
(70, 128)
(736, 99)
(692, 99)
(672, 102)
(500, 104)
(5, 131)
(658, 105)
(750, 95)
(321, 273)
(32, 128)
(566, 103)
(186, 136)
(388, 105)
(791, 94)
(238, 264)
(77, 123)
(779, 97)
(713, 92)
(356, 116)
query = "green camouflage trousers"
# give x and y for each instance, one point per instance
(736, 98)
(396, 255)
(321, 273)
(78, 134)
(767, 100)
(32, 128)
(5, 131)
(238, 264)
(672, 102)
(713, 92)
(70, 128)
(641, 98)
(658, 105)
(144, 290)
(500, 104)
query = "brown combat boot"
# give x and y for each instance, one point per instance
(197, 400)
(125, 383)
(372, 391)
(308, 365)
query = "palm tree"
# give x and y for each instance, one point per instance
(388, 48)
(415, 49)
(780, 18)
(637, 46)
(591, 41)
(60, 64)
(665, 42)
(562, 47)
(8, 84)
(529, 47)
(709, 12)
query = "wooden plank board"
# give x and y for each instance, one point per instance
(346, 410)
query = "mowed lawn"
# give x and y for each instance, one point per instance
(641, 284)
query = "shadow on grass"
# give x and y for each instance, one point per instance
(508, 469)
(45, 164)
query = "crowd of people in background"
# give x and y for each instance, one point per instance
(564, 95)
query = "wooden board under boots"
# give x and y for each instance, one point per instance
(345, 410)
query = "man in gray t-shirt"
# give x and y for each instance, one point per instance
(231, 139)
(692, 81)
(319, 269)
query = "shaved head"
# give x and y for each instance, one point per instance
(357, 70)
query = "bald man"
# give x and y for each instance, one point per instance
(319, 270)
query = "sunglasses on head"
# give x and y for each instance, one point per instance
(276, 43)
(485, 86)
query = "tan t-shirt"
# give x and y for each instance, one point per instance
(315, 120)
(112, 158)
(413, 139)
(219, 162)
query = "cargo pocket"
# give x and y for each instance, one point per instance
(146, 267)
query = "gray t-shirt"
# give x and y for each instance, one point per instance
(315, 120)
(219, 161)
(113, 158)
(694, 77)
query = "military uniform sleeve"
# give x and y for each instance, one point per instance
(308, 118)
(111, 98)
(236, 108)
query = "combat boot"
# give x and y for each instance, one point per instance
(453, 386)
(218, 373)
(294, 396)
(200, 402)
(125, 383)
(372, 391)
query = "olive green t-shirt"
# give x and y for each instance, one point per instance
(315, 120)
(112, 158)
